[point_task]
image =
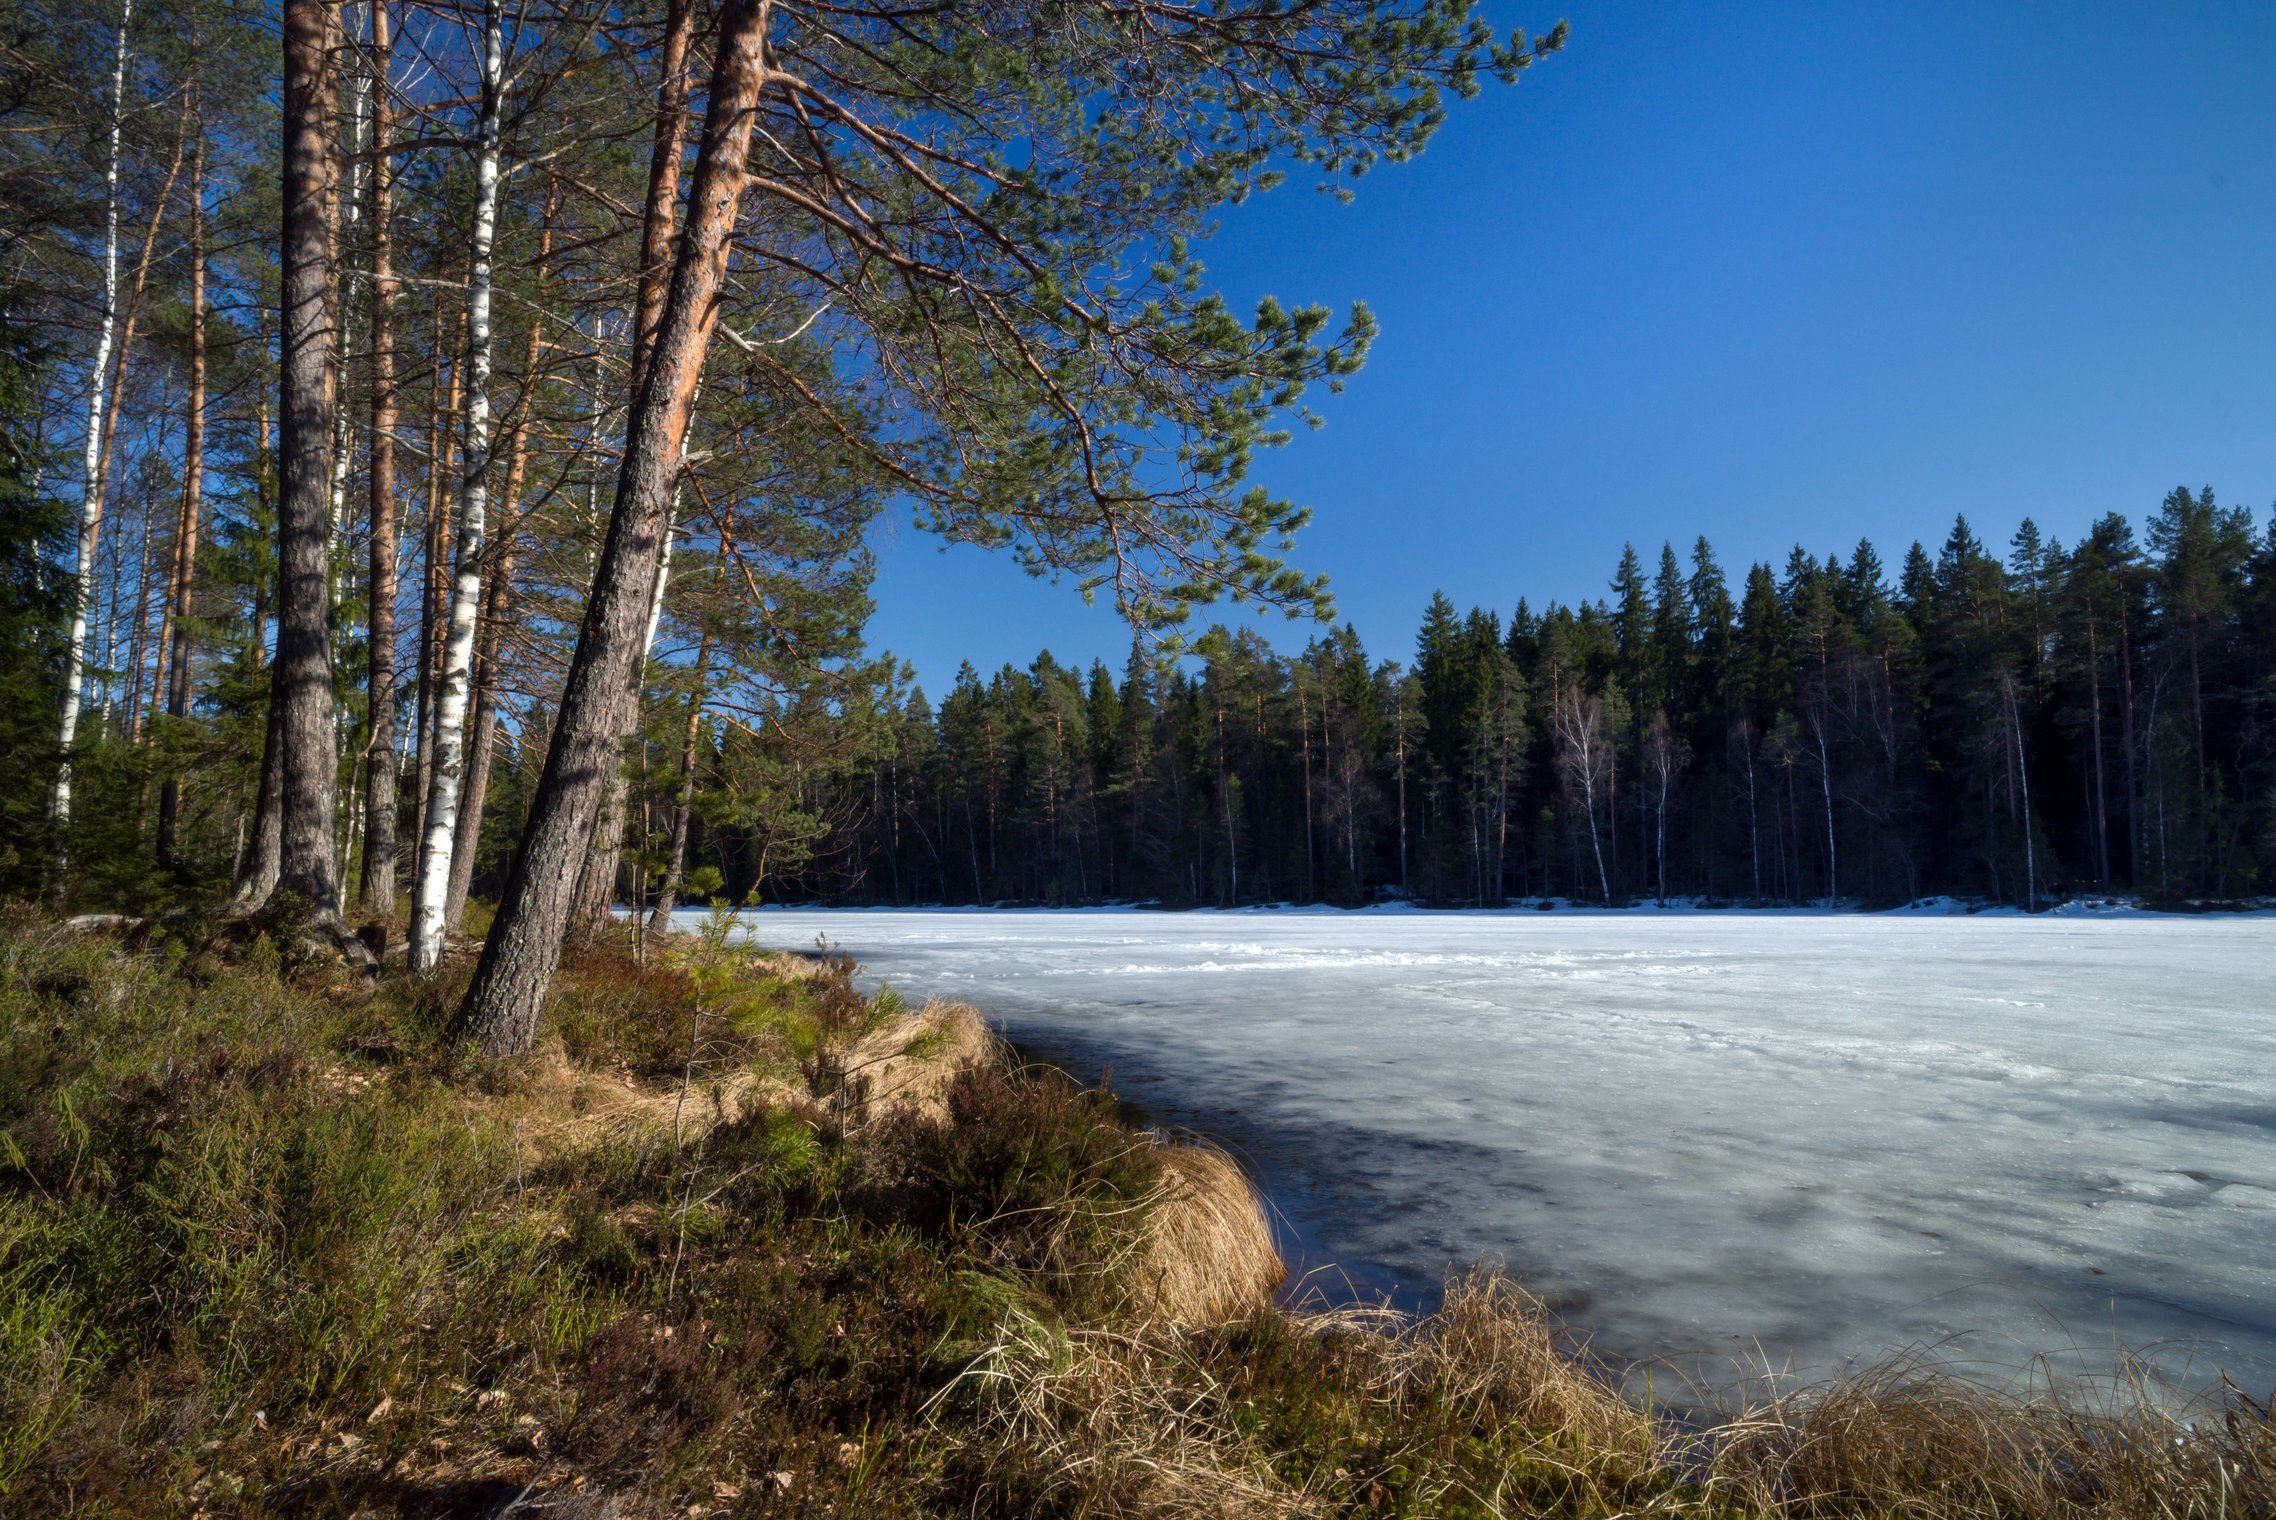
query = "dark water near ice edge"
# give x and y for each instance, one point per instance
(1722, 1142)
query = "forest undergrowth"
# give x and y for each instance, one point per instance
(743, 1240)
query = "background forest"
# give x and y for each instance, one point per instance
(2014, 721)
(2014, 726)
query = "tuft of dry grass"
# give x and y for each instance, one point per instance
(911, 1061)
(1493, 1351)
(1205, 1254)
(1908, 1439)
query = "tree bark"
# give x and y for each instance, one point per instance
(301, 678)
(606, 868)
(381, 779)
(502, 1004)
(597, 876)
(442, 414)
(482, 740)
(431, 891)
(193, 511)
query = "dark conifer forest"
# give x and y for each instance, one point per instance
(2016, 722)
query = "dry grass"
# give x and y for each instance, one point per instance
(1905, 1439)
(911, 1060)
(1480, 1410)
(1492, 1350)
(1205, 1256)
(1123, 1424)
(791, 965)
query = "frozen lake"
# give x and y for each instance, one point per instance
(1716, 1140)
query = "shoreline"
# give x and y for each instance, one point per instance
(2096, 908)
(1306, 1192)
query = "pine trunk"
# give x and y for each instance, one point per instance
(193, 511)
(381, 780)
(524, 946)
(301, 678)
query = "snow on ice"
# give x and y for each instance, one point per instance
(1718, 1141)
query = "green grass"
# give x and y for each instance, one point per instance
(270, 1246)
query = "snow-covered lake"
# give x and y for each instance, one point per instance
(1718, 1140)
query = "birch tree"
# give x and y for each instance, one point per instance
(91, 498)
(431, 892)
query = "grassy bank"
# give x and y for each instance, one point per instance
(743, 1241)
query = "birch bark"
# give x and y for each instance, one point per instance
(91, 499)
(432, 889)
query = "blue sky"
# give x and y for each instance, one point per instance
(1771, 272)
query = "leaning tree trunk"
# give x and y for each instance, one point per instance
(301, 678)
(524, 946)
(608, 865)
(431, 892)
(193, 509)
(377, 887)
(597, 876)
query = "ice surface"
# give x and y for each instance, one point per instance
(1711, 1139)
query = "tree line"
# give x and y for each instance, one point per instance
(2017, 724)
(437, 438)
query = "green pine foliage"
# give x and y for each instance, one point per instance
(34, 608)
(2022, 727)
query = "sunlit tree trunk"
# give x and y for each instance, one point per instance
(381, 780)
(524, 946)
(431, 892)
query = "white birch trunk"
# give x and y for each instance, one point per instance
(431, 892)
(91, 499)
(663, 579)
(664, 563)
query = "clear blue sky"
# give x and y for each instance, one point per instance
(1772, 272)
